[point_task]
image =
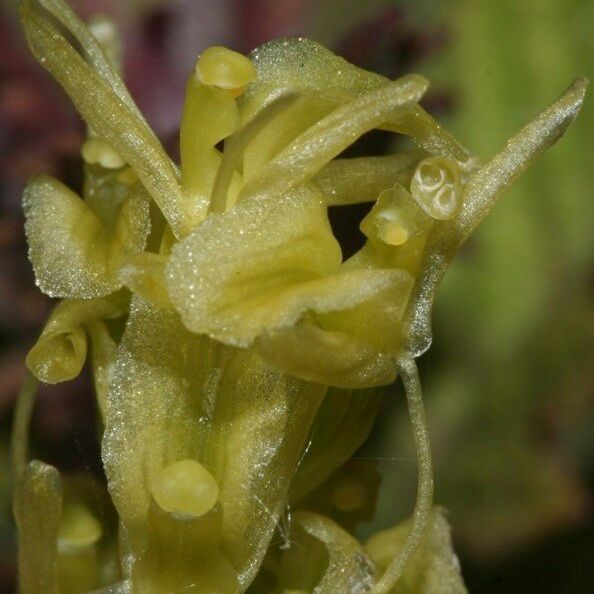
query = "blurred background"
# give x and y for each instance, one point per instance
(509, 382)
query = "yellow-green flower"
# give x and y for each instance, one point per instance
(235, 353)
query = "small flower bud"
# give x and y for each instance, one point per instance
(393, 219)
(223, 68)
(185, 488)
(78, 528)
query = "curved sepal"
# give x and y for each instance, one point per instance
(262, 265)
(324, 82)
(60, 352)
(76, 253)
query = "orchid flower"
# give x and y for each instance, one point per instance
(237, 356)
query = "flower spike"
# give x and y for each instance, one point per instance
(237, 356)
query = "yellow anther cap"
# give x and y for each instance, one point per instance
(78, 527)
(391, 220)
(223, 68)
(185, 488)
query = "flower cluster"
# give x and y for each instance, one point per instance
(236, 354)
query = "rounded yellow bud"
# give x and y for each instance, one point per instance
(97, 152)
(78, 527)
(392, 228)
(436, 187)
(391, 220)
(225, 69)
(185, 488)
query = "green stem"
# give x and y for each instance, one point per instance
(424, 502)
(20, 427)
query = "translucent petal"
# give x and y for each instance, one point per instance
(37, 506)
(328, 137)
(329, 357)
(377, 320)
(281, 64)
(144, 274)
(76, 253)
(342, 425)
(61, 350)
(330, 82)
(110, 118)
(352, 347)
(155, 406)
(262, 265)
(480, 194)
(176, 395)
(433, 568)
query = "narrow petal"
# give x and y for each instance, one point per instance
(109, 117)
(328, 137)
(92, 50)
(350, 181)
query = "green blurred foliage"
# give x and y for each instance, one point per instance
(508, 383)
